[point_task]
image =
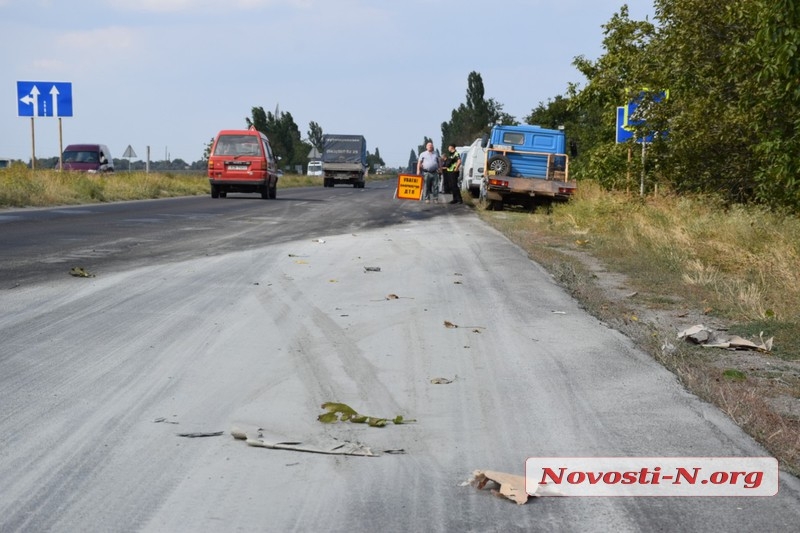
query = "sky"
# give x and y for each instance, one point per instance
(169, 74)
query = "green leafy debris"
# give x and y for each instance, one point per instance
(341, 412)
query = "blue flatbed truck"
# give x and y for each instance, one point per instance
(525, 165)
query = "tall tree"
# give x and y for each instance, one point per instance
(479, 115)
(374, 160)
(315, 136)
(770, 80)
(412, 162)
(475, 117)
(283, 135)
(622, 70)
(698, 47)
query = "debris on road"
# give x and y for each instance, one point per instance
(201, 434)
(321, 241)
(442, 381)
(511, 486)
(341, 412)
(372, 269)
(709, 338)
(395, 297)
(164, 420)
(326, 447)
(450, 325)
(80, 272)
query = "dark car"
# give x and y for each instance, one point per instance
(87, 158)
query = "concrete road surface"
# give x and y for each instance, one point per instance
(99, 376)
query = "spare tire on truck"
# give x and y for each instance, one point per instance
(500, 164)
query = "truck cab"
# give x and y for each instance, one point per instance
(526, 165)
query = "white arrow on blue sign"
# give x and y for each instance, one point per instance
(44, 99)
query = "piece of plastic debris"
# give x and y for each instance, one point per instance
(80, 272)
(559, 312)
(161, 419)
(346, 448)
(372, 269)
(392, 297)
(441, 381)
(449, 324)
(322, 445)
(321, 241)
(201, 434)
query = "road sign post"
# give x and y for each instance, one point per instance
(409, 187)
(44, 99)
(129, 153)
(628, 128)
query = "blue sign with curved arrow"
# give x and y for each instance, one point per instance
(44, 99)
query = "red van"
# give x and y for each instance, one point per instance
(242, 161)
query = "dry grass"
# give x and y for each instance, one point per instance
(688, 260)
(22, 187)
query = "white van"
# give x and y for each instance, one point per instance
(314, 168)
(472, 168)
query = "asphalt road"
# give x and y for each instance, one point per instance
(208, 315)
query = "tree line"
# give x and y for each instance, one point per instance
(717, 82)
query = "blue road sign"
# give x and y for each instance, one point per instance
(44, 99)
(631, 125)
(623, 131)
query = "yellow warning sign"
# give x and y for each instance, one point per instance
(409, 187)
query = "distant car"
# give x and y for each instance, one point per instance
(242, 161)
(87, 158)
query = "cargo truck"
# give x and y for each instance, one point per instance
(344, 160)
(525, 165)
